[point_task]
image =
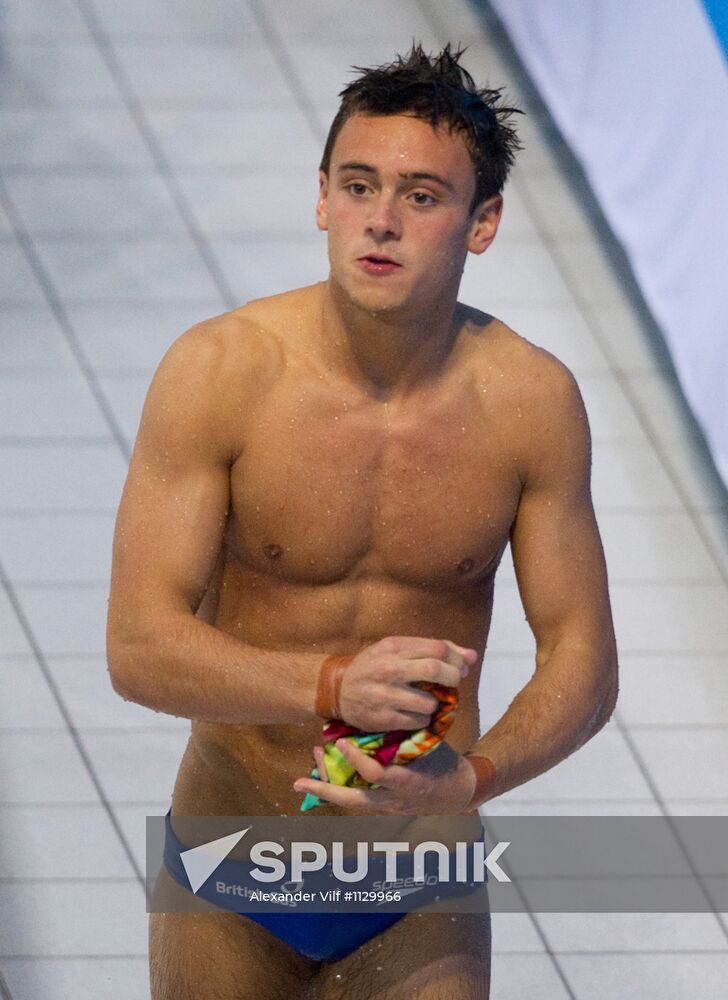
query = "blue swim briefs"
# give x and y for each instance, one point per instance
(321, 937)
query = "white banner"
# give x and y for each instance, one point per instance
(640, 92)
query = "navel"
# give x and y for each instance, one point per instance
(464, 566)
(273, 551)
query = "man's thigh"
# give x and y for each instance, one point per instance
(427, 956)
(219, 956)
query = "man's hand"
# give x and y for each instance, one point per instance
(442, 782)
(377, 693)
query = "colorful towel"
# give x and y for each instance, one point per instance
(398, 746)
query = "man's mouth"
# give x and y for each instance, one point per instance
(377, 263)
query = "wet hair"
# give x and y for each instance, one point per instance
(437, 89)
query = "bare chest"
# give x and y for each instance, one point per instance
(423, 494)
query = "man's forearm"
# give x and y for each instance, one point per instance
(194, 670)
(546, 722)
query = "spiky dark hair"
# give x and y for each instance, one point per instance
(438, 89)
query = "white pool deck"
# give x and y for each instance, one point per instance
(157, 166)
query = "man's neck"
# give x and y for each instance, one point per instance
(386, 354)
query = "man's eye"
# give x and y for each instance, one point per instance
(356, 188)
(422, 198)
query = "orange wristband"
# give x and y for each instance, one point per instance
(484, 778)
(328, 689)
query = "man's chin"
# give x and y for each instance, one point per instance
(376, 301)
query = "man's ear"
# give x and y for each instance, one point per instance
(321, 208)
(486, 220)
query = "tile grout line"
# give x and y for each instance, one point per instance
(639, 951)
(626, 734)
(278, 51)
(5, 993)
(148, 136)
(119, 803)
(43, 440)
(96, 170)
(70, 958)
(56, 306)
(100, 730)
(71, 728)
(66, 879)
(625, 383)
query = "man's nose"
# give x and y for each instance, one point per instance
(385, 221)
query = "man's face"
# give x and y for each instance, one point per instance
(396, 205)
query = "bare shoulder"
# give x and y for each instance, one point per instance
(229, 362)
(545, 384)
(230, 349)
(535, 399)
(210, 378)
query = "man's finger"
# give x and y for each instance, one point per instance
(461, 655)
(370, 770)
(319, 757)
(412, 701)
(444, 673)
(418, 647)
(338, 795)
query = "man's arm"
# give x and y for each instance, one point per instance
(168, 535)
(562, 580)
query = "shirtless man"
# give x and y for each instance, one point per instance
(338, 470)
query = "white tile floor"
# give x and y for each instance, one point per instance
(135, 150)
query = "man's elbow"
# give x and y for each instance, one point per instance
(120, 665)
(606, 705)
(128, 654)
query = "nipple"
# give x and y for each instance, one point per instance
(465, 566)
(273, 551)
